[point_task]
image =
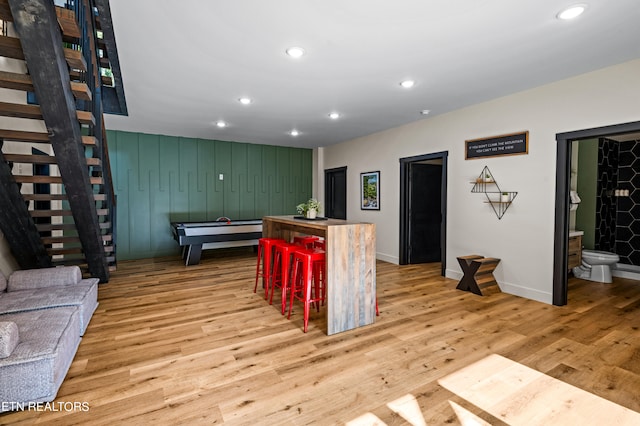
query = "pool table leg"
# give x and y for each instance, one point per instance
(193, 254)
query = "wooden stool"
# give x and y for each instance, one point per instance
(281, 271)
(265, 252)
(478, 272)
(308, 268)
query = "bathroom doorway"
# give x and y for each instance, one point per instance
(565, 143)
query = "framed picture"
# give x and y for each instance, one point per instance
(370, 191)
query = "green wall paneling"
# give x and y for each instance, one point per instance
(159, 179)
(587, 190)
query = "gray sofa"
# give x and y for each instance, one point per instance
(43, 314)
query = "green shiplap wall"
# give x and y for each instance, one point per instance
(159, 179)
(587, 190)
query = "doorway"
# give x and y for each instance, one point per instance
(335, 198)
(563, 172)
(423, 202)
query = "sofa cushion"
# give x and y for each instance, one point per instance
(3, 284)
(8, 338)
(84, 295)
(37, 366)
(28, 279)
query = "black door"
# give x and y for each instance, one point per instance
(425, 213)
(335, 190)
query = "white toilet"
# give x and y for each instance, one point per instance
(596, 266)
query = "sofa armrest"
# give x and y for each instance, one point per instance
(29, 279)
(9, 338)
(89, 281)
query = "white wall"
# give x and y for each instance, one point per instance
(523, 239)
(7, 262)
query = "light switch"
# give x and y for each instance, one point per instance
(220, 176)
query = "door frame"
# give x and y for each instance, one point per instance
(563, 176)
(403, 257)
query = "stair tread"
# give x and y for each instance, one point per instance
(66, 19)
(86, 117)
(37, 137)
(10, 47)
(33, 112)
(107, 81)
(95, 180)
(81, 91)
(78, 261)
(48, 213)
(68, 23)
(23, 136)
(62, 212)
(64, 250)
(52, 197)
(5, 11)
(63, 239)
(43, 159)
(8, 109)
(45, 227)
(60, 239)
(17, 81)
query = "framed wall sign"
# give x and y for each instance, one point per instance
(513, 144)
(370, 191)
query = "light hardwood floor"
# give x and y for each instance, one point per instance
(171, 344)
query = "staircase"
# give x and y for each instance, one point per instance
(57, 201)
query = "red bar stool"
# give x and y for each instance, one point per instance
(308, 268)
(265, 252)
(319, 244)
(305, 241)
(281, 273)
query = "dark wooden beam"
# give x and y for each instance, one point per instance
(36, 23)
(109, 38)
(17, 225)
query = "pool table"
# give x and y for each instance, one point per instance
(194, 237)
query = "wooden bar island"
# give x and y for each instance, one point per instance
(351, 265)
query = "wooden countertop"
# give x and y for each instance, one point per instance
(320, 223)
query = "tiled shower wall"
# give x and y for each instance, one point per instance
(628, 215)
(605, 200)
(618, 218)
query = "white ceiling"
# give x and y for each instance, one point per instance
(185, 64)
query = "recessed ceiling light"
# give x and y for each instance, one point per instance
(294, 133)
(425, 111)
(572, 12)
(407, 84)
(334, 115)
(221, 124)
(295, 52)
(244, 100)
